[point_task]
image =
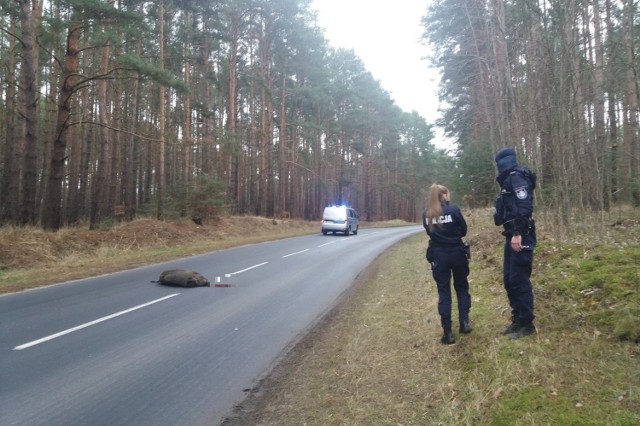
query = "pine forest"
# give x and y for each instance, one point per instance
(116, 109)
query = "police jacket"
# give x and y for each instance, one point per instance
(448, 229)
(514, 206)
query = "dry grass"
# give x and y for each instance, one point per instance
(378, 360)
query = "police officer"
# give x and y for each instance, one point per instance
(445, 227)
(514, 209)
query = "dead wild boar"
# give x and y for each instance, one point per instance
(182, 278)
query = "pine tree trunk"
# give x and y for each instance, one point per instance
(87, 140)
(282, 182)
(207, 132)
(29, 73)
(132, 153)
(187, 137)
(611, 104)
(52, 211)
(101, 189)
(599, 98)
(232, 102)
(9, 188)
(160, 182)
(631, 101)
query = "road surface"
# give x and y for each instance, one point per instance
(118, 349)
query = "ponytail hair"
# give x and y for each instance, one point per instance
(434, 203)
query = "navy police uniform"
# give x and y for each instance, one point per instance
(514, 209)
(449, 257)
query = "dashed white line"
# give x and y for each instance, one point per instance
(249, 268)
(89, 324)
(326, 244)
(293, 254)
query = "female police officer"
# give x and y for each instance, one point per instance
(446, 226)
(514, 209)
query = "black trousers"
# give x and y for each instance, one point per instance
(517, 268)
(451, 261)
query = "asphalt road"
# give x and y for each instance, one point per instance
(120, 350)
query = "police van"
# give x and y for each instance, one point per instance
(339, 219)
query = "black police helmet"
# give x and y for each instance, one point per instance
(506, 159)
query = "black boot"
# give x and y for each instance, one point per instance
(513, 327)
(465, 328)
(448, 338)
(525, 329)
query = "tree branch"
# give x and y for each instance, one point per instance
(115, 129)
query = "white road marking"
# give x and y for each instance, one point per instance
(89, 324)
(293, 254)
(246, 269)
(326, 244)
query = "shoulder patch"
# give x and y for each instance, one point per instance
(521, 192)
